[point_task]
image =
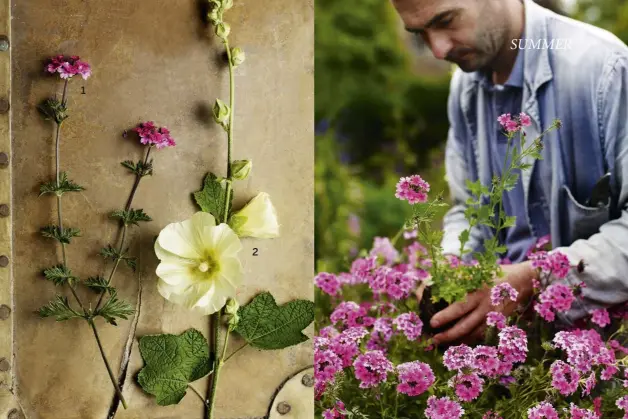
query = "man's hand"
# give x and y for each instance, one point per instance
(478, 304)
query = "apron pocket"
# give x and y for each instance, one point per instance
(584, 221)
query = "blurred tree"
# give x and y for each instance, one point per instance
(608, 14)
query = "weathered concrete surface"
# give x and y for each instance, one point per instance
(155, 60)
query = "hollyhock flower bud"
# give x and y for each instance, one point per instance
(257, 219)
(240, 169)
(222, 30)
(221, 111)
(237, 56)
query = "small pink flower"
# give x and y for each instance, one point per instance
(412, 189)
(415, 378)
(486, 360)
(622, 403)
(496, 319)
(589, 384)
(67, 67)
(410, 324)
(383, 247)
(601, 317)
(491, 415)
(328, 283)
(458, 357)
(443, 408)
(501, 292)
(335, 412)
(524, 120)
(372, 368)
(564, 378)
(543, 410)
(467, 386)
(153, 135)
(578, 413)
(513, 344)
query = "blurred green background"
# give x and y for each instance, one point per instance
(381, 114)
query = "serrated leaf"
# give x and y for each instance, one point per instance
(99, 284)
(63, 236)
(131, 217)
(211, 198)
(65, 185)
(171, 362)
(60, 309)
(114, 309)
(266, 325)
(60, 275)
(509, 221)
(109, 252)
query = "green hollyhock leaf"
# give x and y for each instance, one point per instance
(211, 198)
(172, 361)
(266, 325)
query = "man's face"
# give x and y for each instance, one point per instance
(468, 33)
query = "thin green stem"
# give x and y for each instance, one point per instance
(215, 318)
(397, 236)
(236, 351)
(191, 387)
(104, 358)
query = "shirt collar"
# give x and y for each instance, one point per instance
(516, 77)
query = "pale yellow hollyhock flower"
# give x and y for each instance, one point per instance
(257, 219)
(199, 266)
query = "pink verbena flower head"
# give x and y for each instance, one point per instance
(154, 136)
(458, 357)
(67, 67)
(585, 349)
(491, 415)
(557, 297)
(328, 332)
(410, 234)
(410, 324)
(579, 413)
(543, 410)
(486, 361)
(346, 344)
(622, 403)
(443, 408)
(565, 378)
(554, 262)
(415, 378)
(383, 327)
(609, 372)
(351, 314)
(502, 291)
(496, 319)
(412, 189)
(601, 317)
(524, 120)
(589, 384)
(326, 365)
(328, 283)
(511, 124)
(335, 412)
(372, 368)
(383, 248)
(466, 386)
(361, 269)
(513, 344)
(400, 284)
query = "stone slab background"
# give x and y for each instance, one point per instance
(155, 60)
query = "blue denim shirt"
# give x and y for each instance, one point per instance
(586, 87)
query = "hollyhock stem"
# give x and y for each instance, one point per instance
(215, 318)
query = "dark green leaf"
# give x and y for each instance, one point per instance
(60, 275)
(60, 309)
(132, 216)
(211, 198)
(65, 185)
(114, 309)
(54, 109)
(99, 284)
(62, 236)
(171, 362)
(266, 325)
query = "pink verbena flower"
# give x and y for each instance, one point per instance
(383, 326)
(153, 135)
(502, 291)
(491, 415)
(467, 386)
(609, 372)
(328, 332)
(382, 247)
(557, 297)
(579, 413)
(400, 284)
(622, 403)
(326, 365)
(486, 360)
(554, 262)
(351, 314)
(346, 344)
(415, 378)
(328, 283)
(458, 357)
(361, 269)
(335, 412)
(410, 324)
(443, 408)
(496, 319)
(372, 368)
(601, 317)
(513, 344)
(589, 384)
(524, 120)
(585, 349)
(565, 378)
(412, 189)
(543, 410)
(410, 234)
(545, 311)
(67, 67)
(509, 124)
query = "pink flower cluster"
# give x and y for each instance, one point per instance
(586, 350)
(410, 324)
(152, 135)
(511, 124)
(443, 408)
(554, 263)
(382, 247)
(496, 319)
(335, 412)
(328, 283)
(69, 67)
(501, 292)
(351, 314)
(415, 378)
(397, 282)
(412, 189)
(555, 298)
(372, 368)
